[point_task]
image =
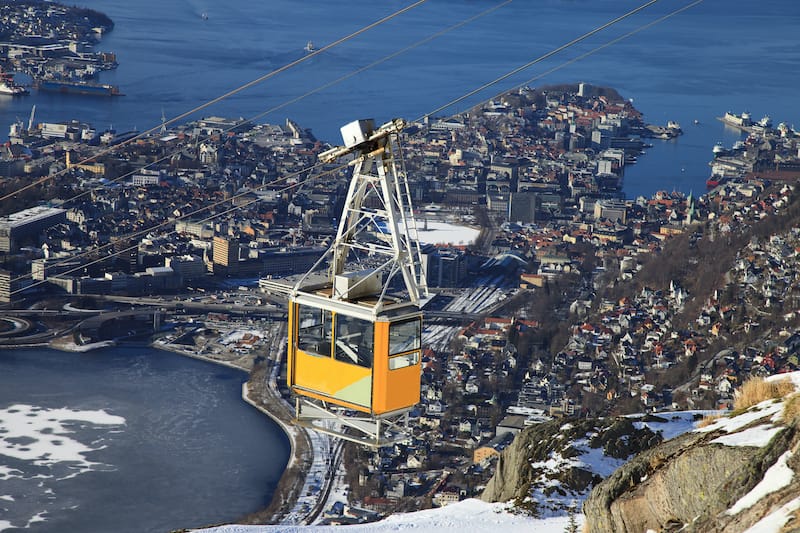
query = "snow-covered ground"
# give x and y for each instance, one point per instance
(474, 516)
(445, 233)
(237, 335)
(438, 337)
(485, 293)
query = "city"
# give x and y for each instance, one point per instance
(213, 206)
(554, 295)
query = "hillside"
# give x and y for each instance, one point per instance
(721, 473)
(469, 515)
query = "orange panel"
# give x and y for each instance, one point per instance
(292, 336)
(392, 389)
(380, 364)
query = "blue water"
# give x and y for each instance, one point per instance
(735, 55)
(191, 453)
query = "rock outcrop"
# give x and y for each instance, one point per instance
(727, 477)
(550, 466)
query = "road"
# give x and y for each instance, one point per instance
(262, 310)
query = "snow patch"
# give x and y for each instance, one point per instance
(41, 436)
(471, 515)
(758, 436)
(677, 423)
(767, 408)
(6, 472)
(444, 233)
(776, 477)
(776, 520)
(594, 460)
(239, 335)
(794, 377)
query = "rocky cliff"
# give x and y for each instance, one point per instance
(736, 473)
(551, 466)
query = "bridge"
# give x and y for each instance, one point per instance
(112, 324)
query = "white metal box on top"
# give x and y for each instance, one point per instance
(357, 132)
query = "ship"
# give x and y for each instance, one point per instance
(78, 87)
(7, 85)
(715, 181)
(738, 121)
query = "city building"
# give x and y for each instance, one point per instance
(27, 224)
(445, 267)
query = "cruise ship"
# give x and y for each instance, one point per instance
(739, 121)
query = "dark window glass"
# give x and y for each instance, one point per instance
(314, 330)
(354, 340)
(405, 336)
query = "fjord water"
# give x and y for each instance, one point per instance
(189, 453)
(715, 57)
(719, 56)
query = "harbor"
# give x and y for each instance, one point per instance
(53, 46)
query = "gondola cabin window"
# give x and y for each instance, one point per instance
(355, 340)
(314, 332)
(404, 344)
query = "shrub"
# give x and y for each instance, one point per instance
(756, 390)
(791, 409)
(707, 420)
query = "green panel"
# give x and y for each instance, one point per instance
(359, 393)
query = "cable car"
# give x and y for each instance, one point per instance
(355, 320)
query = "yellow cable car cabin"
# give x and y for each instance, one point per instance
(371, 367)
(355, 330)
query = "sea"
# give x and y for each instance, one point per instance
(187, 441)
(129, 439)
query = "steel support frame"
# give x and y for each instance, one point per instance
(375, 432)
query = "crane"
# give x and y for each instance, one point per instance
(30, 120)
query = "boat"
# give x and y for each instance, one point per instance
(204, 15)
(674, 126)
(309, 47)
(78, 87)
(7, 85)
(738, 121)
(715, 181)
(12, 89)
